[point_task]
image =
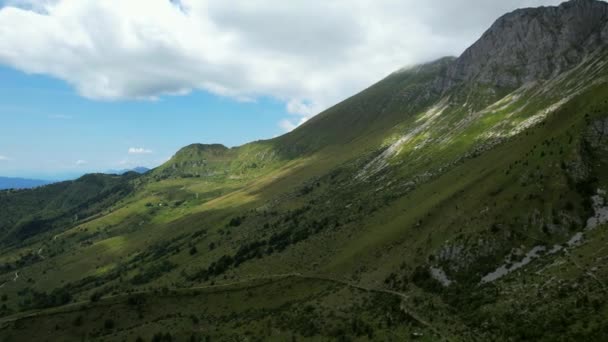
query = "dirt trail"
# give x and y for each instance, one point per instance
(39, 253)
(402, 296)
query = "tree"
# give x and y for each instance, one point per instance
(95, 297)
(78, 321)
(109, 324)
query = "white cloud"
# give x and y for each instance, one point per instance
(308, 54)
(4, 158)
(139, 150)
(289, 125)
(81, 162)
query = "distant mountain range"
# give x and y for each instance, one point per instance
(139, 169)
(21, 183)
(27, 183)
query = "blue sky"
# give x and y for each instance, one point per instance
(48, 128)
(89, 85)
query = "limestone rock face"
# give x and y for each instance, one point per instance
(532, 44)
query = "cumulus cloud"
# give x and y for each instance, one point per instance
(289, 125)
(139, 150)
(308, 54)
(81, 162)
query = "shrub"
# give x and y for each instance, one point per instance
(108, 324)
(78, 321)
(95, 297)
(235, 221)
(153, 272)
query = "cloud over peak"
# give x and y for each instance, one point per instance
(307, 54)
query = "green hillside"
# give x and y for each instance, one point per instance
(438, 204)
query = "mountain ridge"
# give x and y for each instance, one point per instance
(535, 43)
(21, 183)
(138, 169)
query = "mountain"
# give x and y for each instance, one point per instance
(138, 169)
(533, 44)
(463, 199)
(28, 213)
(21, 183)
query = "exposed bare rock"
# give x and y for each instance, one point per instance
(532, 44)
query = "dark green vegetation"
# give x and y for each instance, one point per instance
(448, 209)
(26, 213)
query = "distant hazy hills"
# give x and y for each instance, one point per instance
(26, 183)
(21, 183)
(139, 169)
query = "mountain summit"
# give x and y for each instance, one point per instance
(534, 44)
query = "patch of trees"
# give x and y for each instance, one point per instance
(423, 279)
(95, 297)
(361, 328)
(257, 249)
(469, 297)
(296, 231)
(153, 272)
(586, 188)
(249, 251)
(199, 233)
(33, 227)
(236, 221)
(136, 300)
(305, 190)
(160, 337)
(41, 300)
(215, 268)
(397, 282)
(108, 324)
(27, 259)
(78, 321)
(161, 249)
(279, 241)
(6, 268)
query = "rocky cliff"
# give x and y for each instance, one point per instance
(532, 44)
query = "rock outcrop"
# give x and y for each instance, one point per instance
(532, 44)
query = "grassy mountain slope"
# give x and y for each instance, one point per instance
(455, 210)
(27, 213)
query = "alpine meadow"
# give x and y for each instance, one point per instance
(464, 199)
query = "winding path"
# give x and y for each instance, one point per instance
(274, 277)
